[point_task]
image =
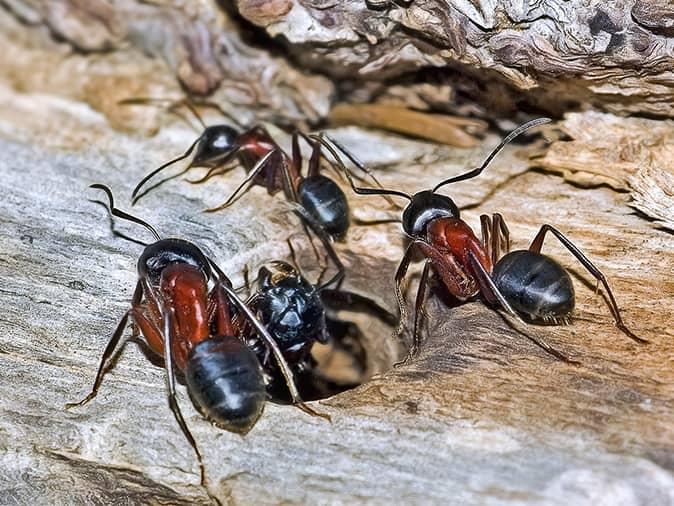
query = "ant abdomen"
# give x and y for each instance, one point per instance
(535, 285)
(326, 203)
(225, 380)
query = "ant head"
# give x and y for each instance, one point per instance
(159, 255)
(215, 143)
(424, 207)
(278, 272)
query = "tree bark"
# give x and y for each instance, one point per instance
(480, 416)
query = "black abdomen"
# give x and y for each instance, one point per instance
(326, 203)
(226, 383)
(534, 285)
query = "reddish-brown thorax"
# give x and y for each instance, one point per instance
(184, 289)
(254, 145)
(448, 242)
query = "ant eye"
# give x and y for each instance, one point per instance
(157, 256)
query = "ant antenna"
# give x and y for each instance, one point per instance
(121, 214)
(162, 167)
(360, 191)
(476, 172)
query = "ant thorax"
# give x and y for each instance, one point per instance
(424, 207)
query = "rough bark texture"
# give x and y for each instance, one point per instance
(626, 154)
(481, 416)
(615, 55)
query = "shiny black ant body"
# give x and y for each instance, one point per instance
(296, 313)
(197, 331)
(525, 283)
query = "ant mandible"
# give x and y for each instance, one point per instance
(527, 284)
(196, 332)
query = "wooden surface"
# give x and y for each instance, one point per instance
(480, 417)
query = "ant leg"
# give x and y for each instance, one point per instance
(217, 107)
(501, 231)
(360, 165)
(400, 274)
(219, 169)
(317, 229)
(418, 313)
(487, 237)
(345, 170)
(169, 324)
(338, 299)
(108, 353)
(492, 294)
(276, 351)
(244, 185)
(536, 246)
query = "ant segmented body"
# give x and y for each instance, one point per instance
(319, 202)
(525, 283)
(197, 331)
(296, 313)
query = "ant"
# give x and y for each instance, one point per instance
(527, 284)
(196, 331)
(294, 311)
(319, 201)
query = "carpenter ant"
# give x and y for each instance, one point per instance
(525, 283)
(196, 331)
(299, 314)
(294, 311)
(319, 201)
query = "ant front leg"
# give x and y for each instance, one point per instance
(493, 296)
(259, 166)
(109, 352)
(418, 313)
(536, 246)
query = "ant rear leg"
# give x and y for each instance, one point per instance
(493, 296)
(357, 189)
(357, 163)
(316, 228)
(169, 324)
(536, 246)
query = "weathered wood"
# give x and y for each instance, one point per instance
(632, 154)
(481, 416)
(617, 55)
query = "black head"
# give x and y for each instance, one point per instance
(216, 142)
(424, 207)
(158, 255)
(291, 309)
